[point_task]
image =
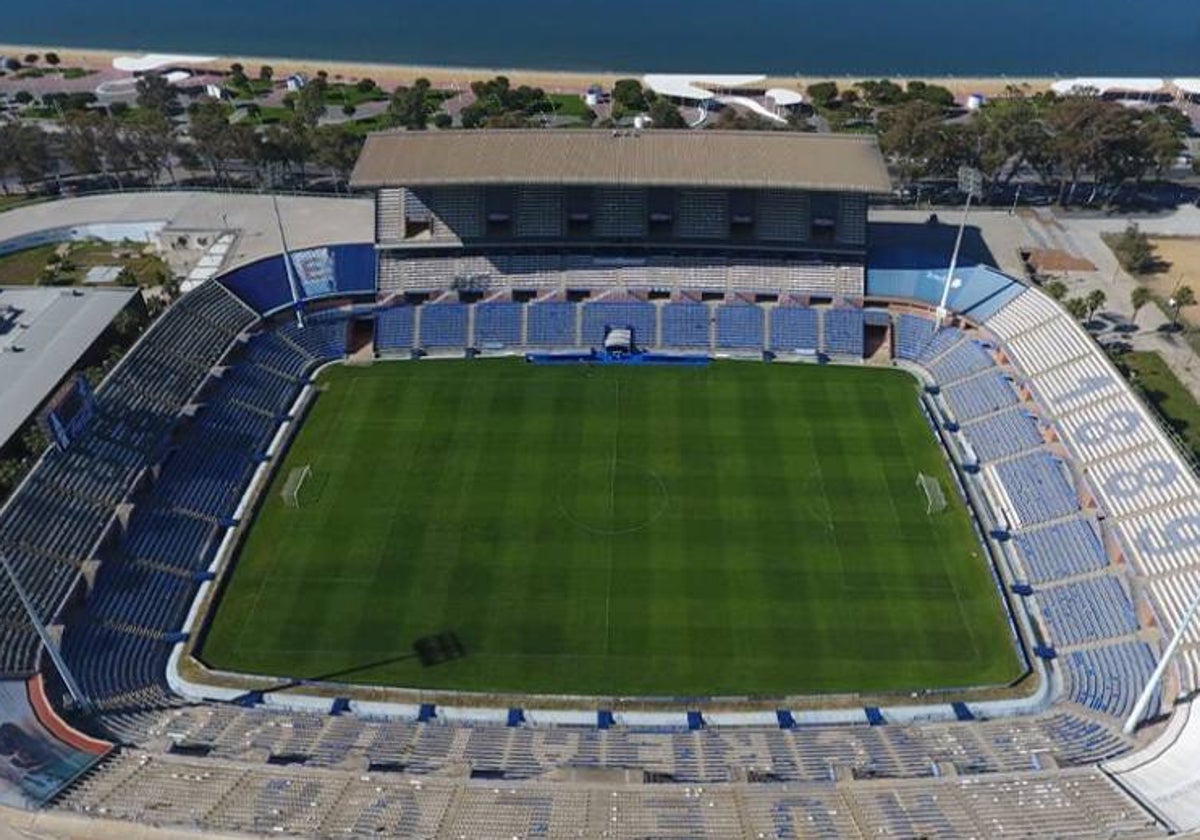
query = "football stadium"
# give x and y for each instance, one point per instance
(625, 484)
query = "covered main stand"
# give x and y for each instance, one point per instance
(619, 348)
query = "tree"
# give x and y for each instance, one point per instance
(882, 92)
(443, 120)
(11, 473)
(209, 131)
(822, 94)
(665, 114)
(1089, 135)
(310, 103)
(1077, 307)
(22, 97)
(365, 85)
(117, 149)
(1134, 250)
(152, 138)
(499, 105)
(155, 93)
(910, 134)
(349, 110)
(31, 153)
(34, 440)
(1183, 297)
(80, 144)
(170, 285)
(933, 94)
(237, 75)
(731, 119)
(410, 106)
(628, 95)
(266, 73)
(335, 149)
(8, 154)
(1139, 296)
(1095, 299)
(1161, 136)
(1057, 289)
(79, 100)
(52, 59)
(1009, 134)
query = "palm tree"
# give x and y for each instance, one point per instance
(1184, 296)
(1138, 298)
(1077, 306)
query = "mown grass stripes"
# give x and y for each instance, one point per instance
(736, 529)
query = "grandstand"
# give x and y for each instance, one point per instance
(1093, 517)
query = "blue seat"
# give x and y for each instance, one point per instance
(551, 324)
(1060, 550)
(1037, 487)
(1108, 679)
(1000, 435)
(498, 323)
(1086, 611)
(844, 332)
(740, 326)
(960, 361)
(685, 325)
(444, 325)
(979, 396)
(913, 333)
(394, 328)
(794, 328)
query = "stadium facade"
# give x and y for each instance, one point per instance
(531, 212)
(498, 243)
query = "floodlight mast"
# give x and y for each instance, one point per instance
(1139, 708)
(297, 306)
(970, 181)
(67, 677)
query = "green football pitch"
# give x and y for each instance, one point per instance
(724, 530)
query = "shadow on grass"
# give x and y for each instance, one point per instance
(431, 651)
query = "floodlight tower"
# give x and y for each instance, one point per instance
(970, 181)
(1139, 708)
(67, 677)
(297, 306)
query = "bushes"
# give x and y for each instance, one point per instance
(1134, 251)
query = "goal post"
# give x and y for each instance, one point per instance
(291, 487)
(935, 498)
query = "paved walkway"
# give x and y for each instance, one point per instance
(1083, 237)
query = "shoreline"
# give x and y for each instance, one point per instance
(389, 75)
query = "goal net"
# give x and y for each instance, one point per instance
(291, 487)
(934, 497)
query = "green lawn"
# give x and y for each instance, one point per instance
(1164, 390)
(736, 529)
(28, 267)
(569, 105)
(24, 268)
(346, 94)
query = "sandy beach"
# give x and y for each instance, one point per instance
(392, 75)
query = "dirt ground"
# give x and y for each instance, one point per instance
(1183, 269)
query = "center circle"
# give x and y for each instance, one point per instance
(611, 497)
